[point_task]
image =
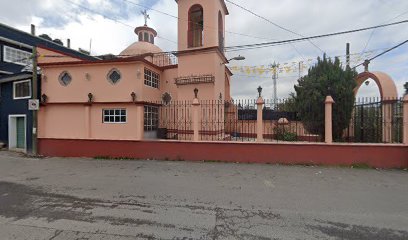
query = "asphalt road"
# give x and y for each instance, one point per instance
(55, 198)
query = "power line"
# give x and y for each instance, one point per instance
(113, 19)
(372, 33)
(379, 55)
(187, 20)
(275, 24)
(268, 44)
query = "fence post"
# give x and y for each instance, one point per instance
(405, 120)
(328, 123)
(259, 119)
(387, 113)
(196, 117)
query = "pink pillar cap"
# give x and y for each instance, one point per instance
(329, 99)
(260, 101)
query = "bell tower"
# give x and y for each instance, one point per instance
(201, 23)
(201, 33)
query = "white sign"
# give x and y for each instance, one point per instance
(33, 104)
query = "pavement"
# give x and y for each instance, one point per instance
(76, 198)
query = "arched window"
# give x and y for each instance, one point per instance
(151, 39)
(140, 36)
(146, 37)
(220, 32)
(195, 26)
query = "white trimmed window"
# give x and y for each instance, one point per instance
(151, 118)
(151, 78)
(114, 115)
(16, 56)
(22, 89)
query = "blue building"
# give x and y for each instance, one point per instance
(16, 121)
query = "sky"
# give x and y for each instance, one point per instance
(106, 26)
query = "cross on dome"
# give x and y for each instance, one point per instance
(146, 16)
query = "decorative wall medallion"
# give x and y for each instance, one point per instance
(114, 76)
(65, 78)
(166, 98)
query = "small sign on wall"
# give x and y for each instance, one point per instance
(33, 104)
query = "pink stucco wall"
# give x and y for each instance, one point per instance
(203, 63)
(78, 121)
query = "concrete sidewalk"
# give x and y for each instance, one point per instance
(55, 198)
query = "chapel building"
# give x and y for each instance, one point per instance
(119, 98)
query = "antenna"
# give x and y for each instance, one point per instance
(90, 46)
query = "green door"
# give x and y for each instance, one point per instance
(20, 127)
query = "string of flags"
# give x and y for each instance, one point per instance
(297, 67)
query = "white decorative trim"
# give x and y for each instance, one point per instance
(19, 61)
(15, 42)
(114, 115)
(12, 139)
(14, 89)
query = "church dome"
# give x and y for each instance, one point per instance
(146, 36)
(138, 48)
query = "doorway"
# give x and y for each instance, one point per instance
(17, 132)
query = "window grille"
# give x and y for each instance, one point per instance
(17, 56)
(151, 118)
(151, 78)
(114, 115)
(22, 89)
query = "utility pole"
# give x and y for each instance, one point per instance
(35, 97)
(300, 69)
(348, 54)
(275, 68)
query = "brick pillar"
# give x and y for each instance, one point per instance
(328, 121)
(196, 119)
(405, 121)
(139, 122)
(259, 121)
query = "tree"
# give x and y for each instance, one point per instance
(58, 41)
(45, 36)
(327, 77)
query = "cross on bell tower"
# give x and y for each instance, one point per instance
(146, 16)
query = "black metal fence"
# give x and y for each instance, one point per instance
(376, 121)
(368, 120)
(175, 120)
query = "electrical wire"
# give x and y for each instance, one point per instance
(113, 19)
(379, 55)
(273, 23)
(277, 43)
(186, 20)
(372, 33)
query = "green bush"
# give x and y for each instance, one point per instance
(284, 135)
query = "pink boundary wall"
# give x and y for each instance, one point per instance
(374, 155)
